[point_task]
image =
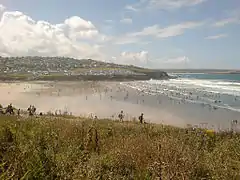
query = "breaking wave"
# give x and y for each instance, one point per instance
(212, 92)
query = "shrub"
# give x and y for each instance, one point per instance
(66, 147)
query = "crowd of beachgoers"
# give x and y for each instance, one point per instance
(31, 110)
(119, 101)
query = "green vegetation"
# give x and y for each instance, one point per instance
(16, 76)
(121, 67)
(83, 70)
(140, 70)
(78, 148)
(51, 76)
(58, 68)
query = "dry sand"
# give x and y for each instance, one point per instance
(106, 100)
(80, 98)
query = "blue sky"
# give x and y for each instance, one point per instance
(153, 33)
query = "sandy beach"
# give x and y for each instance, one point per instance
(107, 99)
(80, 98)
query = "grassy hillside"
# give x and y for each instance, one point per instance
(59, 68)
(79, 148)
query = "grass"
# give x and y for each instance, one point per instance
(20, 75)
(16, 76)
(129, 68)
(140, 70)
(83, 70)
(79, 148)
(52, 75)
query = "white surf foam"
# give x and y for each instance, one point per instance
(181, 88)
(222, 87)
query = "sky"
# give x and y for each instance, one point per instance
(147, 33)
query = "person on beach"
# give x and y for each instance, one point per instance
(9, 109)
(121, 116)
(1, 111)
(141, 118)
(34, 109)
(18, 112)
(30, 110)
(234, 124)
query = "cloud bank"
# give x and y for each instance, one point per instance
(162, 4)
(20, 35)
(218, 36)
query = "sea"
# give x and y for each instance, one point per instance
(214, 90)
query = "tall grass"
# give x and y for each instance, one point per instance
(78, 148)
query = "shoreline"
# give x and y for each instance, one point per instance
(107, 99)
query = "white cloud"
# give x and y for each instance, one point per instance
(217, 36)
(131, 8)
(173, 62)
(74, 37)
(2, 8)
(173, 4)
(21, 35)
(133, 58)
(143, 58)
(126, 20)
(154, 31)
(233, 17)
(122, 40)
(177, 60)
(173, 30)
(109, 21)
(163, 4)
(79, 38)
(224, 22)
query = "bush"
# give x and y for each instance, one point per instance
(78, 148)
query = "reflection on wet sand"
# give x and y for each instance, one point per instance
(107, 99)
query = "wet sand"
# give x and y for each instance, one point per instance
(107, 99)
(189, 113)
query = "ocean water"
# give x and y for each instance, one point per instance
(212, 90)
(222, 77)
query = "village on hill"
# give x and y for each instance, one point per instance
(37, 67)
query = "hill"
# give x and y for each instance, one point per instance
(62, 68)
(80, 148)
